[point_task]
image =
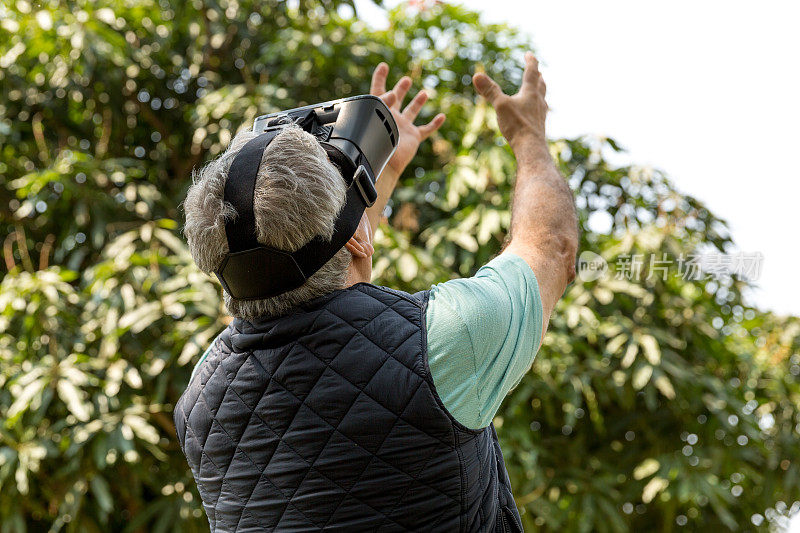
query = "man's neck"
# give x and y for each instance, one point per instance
(358, 273)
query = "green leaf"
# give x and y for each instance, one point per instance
(641, 376)
(102, 492)
(651, 350)
(646, 468)
(73, 397)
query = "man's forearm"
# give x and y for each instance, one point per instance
(543, 202)
(385, 186)
(543, 214)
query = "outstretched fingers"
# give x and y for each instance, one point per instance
(487, 87)
(389, 98)
(531, 78)
(427, 129)
(378, 86)
(400, 90)
(413, 108)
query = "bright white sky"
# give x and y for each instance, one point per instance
(707, 91)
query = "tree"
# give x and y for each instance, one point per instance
(107, 106)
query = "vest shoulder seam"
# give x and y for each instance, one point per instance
(401, 294)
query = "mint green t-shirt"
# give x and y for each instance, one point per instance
(483, 334)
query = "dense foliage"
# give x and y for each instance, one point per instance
(654, 403)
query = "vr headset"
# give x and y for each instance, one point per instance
(359, 136)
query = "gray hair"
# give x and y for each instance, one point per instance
(298, 196)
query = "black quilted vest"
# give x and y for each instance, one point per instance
(327, 418)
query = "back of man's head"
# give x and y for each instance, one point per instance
(298, 195)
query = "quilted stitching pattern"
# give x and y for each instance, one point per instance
(328, 419)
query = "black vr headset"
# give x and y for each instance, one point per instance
(359, 136)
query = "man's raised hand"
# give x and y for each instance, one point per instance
(521, 117)
(410, 135)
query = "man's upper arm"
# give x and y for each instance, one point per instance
(483, 333)
(553, 263)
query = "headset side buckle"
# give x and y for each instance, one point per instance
(365, 186)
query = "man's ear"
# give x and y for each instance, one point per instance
(356, 248)
(359, 244)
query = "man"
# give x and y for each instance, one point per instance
(345, 406)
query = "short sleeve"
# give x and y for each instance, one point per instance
(483, 334)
